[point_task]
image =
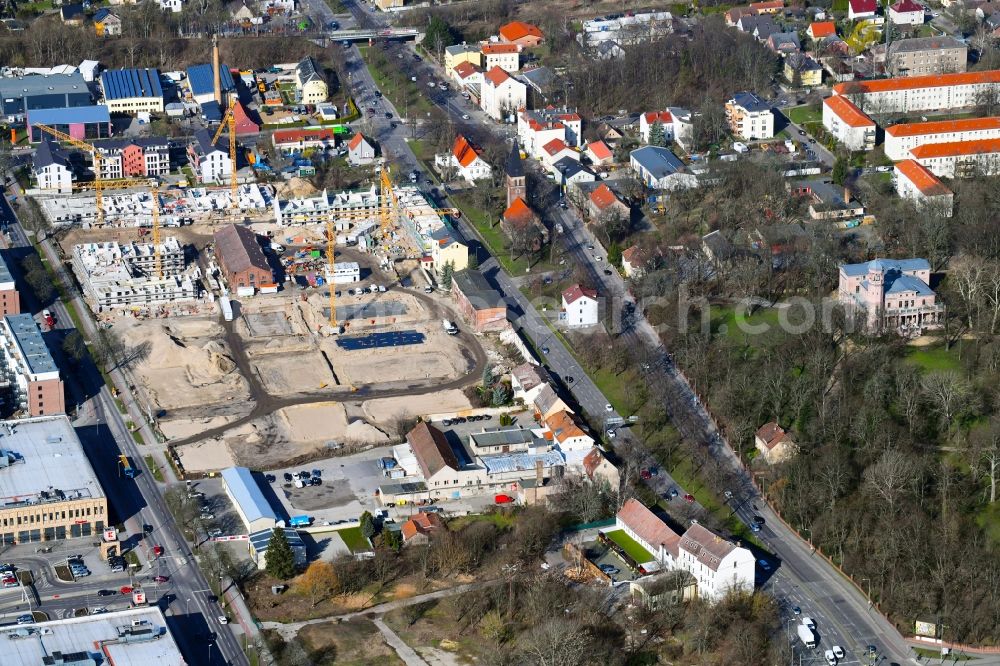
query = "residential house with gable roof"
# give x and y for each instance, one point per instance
(857, 9)
(580, 307)
(466, 159)
(719, 565)
(891, 295)
(505, 56)
(521, 33)
(901, 138)
(360, 151)
(599, 469)
(52, 168)
(774, 443)
(599, 153)
(107, 24)
(634, 261)
(210, 161)
(462, 53)
(651, 118)
(418, 530)
(568, 435)
(435, 460)
(906, 12)
(848, 124)
(820, 29)
(603, 204)
(501, 94)
(548, 403)
(527, 381)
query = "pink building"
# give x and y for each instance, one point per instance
(891, 294)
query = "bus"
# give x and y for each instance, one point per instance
(125, 467)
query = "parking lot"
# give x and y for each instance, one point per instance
(603, 557)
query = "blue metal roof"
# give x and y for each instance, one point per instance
(247, 494)
(751, 102)
(659, 162)
(882, 265)
(72, 116)
(125, 83)
(902, 283)
(29, 339)
(202, 82)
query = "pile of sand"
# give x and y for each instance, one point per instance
(295, 187)
(180, 370)
(317, 422)
(208, 456)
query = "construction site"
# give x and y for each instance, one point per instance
(310, 319)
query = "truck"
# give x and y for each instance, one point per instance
(227, 308)
(386, 463)
(449, 327)
(300, 521)
(807, 636)
(50, 321)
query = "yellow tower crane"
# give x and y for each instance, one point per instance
(229, 122)
(98, 164)
(387, 194)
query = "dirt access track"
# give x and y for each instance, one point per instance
(296, 391)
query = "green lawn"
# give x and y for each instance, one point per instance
(501, 520)
(631, 547)
(732, 321)
(154, 469)
(927, 653)
(809, 113)
(355, 540)
(936, 358)
(494, 238)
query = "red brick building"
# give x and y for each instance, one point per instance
(481, 305)
(10, 301)
(241, 258)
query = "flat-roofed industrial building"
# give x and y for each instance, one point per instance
(48, 489)
(125, 638)
(29, 377)
(248, 500)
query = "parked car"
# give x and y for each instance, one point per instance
(830, 658)
(503, 499)
(107, 593)
(610, 569)
(317, 473)
(288, 476)
(689, 498)
(838, 652)
(161, 579)
(26, 619)
(215, 532)
(270, 478)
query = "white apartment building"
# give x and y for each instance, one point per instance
(749, 117)
(915, 182)
(505, 56)
(938, 92)
(538, 127)
(719, 566)
(579, 307)
(960, 159)
(51, 168)
(848, 124)
(900, 139)
(502, 95)
(209, 161)
(465, 159)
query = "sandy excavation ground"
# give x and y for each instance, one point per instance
(188, 364)
(288, 434)
(384, 412)
(291, 354)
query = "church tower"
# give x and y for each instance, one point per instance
(516, 186)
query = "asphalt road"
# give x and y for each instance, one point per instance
(139, 502)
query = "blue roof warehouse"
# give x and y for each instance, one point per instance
(202, 82)
(132, 90)
(57, 91)
(248, 500)
(85, 122)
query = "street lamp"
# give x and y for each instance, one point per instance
(869, 581)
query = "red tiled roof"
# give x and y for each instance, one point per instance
(911, 82)
(922, 178)
(662, 117)
(822, 29)
(500, 48)
(563, 426)
(555, 146)
(955, 148)
(465, 69)
(421, 523)
(464, 151)
(943, 127)
(569, 117)
(355, 141)
(648, 527)
(772, 434)
(518, 211)
(848, 112)
(767, 4)
(576, 291)
(603, 196)
(631, 254)
(496, 77)
(294, 135)
(516, 30)
(907, 6)
(863, 6)
(600, 150)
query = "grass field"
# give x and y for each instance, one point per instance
(809, 113)
(501, 520)
(630, 546)
(935, 359)
(355, 540)
(154, 469)
(732, 321)
(494, 238)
